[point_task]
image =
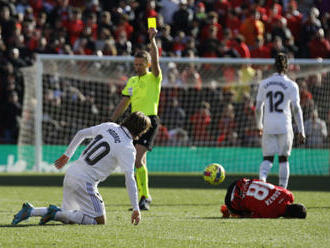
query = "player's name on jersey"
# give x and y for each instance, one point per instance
(114, 135)
(281, 84)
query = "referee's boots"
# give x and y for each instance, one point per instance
(144, 203)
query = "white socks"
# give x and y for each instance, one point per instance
(66, 216)
(284, 173)
(264, 169)
(39, 211)
(75, 217)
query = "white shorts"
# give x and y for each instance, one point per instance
(280, 144)
(79, 194)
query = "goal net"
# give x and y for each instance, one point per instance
(207, 110)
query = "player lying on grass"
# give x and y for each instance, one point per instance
(111, 147)
(253, 198)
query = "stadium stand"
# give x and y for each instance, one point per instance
(187, 28)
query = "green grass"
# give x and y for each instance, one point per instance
(178, 218)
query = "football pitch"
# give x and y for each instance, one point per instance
(178, 218)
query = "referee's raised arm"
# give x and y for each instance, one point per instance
(155, 68)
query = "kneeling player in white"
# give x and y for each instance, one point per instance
(111, 147)
(276, 93)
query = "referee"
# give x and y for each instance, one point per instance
(142, 92)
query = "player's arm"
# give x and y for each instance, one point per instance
(133, 196)
(259, 114)
(126, 159)
(229, 198)
(155, 67)
(121, 107)
(226, 213)
(77, 139)
(259, 110)
(298, 116)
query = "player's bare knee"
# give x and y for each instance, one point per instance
(269, 158)
(282, 159)
(140, 161)
(138, 164)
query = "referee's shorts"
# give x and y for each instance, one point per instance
(147, 139)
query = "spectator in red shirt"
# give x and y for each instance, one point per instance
(211, 45)
(253, 198)
(294, 20)
(260, 50)
(319, 47)
(151, 9)
(179, 43)
(273, 14)
(241, 47)
(222, 8)
(200, 121)
(74, 26)
(273, 6)
(237, 3)
(123, 26)
(258, 6)
(212, 20)
(233, 22)
(227, 126)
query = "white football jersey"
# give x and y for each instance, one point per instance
(276, 93)
(111, 147)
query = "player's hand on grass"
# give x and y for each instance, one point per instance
(225, 212)
(59, 163)
(152, 33)
(136, 217)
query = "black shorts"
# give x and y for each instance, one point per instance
(148, 138)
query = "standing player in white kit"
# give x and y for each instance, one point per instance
(274, 121)
(111, 147)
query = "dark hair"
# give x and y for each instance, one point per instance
(295, 211)
(136, 123)
(143, 54)
(281, 62)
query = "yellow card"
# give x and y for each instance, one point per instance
(152, 22)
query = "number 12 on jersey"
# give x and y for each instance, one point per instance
(275, 99)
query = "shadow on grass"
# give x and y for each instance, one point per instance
(325, 207)
(164, 205)
(183, 204)
(207, 218)
(29, 225)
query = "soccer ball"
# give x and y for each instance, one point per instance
(214, 174)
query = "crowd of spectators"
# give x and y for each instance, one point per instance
(187, 28)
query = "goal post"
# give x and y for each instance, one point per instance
(206, 110)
